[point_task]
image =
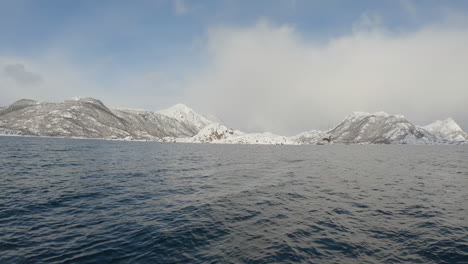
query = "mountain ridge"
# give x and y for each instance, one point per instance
(86, 117)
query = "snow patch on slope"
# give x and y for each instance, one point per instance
(447, 129)
(377, 128)
(220, 134)
(310, 137)
(184, 114)
(86, 117)
(443, 126)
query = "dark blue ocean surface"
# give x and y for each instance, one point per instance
(93, 201)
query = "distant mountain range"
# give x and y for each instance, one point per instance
(90, 118)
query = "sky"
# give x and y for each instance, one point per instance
(284, 66)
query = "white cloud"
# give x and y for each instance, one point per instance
(22, 77)
(41, 79)
(269, 78)
(55, 78)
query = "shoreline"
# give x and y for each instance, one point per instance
(223, 143)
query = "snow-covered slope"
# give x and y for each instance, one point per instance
(185, 115)
(220, 134)
(379, 128)
(212, 133)
(310, 137)
(447, 130)
(154, 124)
(90, 118)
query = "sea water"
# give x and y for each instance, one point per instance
(95, 201)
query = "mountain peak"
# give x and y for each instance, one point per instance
(84, 99)
(451, 122)
(88, 100)
(378, 127)
(185, 114)
(357, 115)
(89, 118)
(445, 126)
(178, 108)
(364, 114)
(24, 102)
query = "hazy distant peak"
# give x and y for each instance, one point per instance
(89, 100)
(85, 99)
(81, 98)
(178, 111)
(380, 114)
(363, 114)
(182, 108)
(177, 108)
(445, 126)
(24, 102)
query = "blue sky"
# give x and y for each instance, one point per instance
(159, 48)
(153, 32)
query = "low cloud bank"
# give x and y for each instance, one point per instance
(270, 77)
(273, 78)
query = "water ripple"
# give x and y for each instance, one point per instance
(91, 201)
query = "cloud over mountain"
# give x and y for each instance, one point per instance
(270, 77)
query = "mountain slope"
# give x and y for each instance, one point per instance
(310, 137)
(89, 118)
(378, 128)
(220, 134)
(447, 130)
(187, 116)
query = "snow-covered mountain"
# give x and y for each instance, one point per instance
(220, 134)
(90, 118)
(187, 116)
(378, 128)
(310, 137)
(382, 128)
(447, 130)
